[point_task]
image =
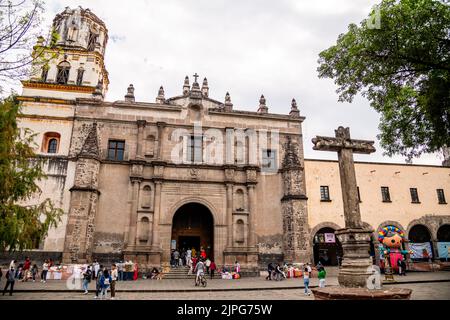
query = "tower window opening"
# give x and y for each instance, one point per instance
(80, 76)
(63, 72)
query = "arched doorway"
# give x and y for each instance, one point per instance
(327, 248)
(420, 243)
(443, 238)
(193, 227)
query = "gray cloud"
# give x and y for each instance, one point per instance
(244, 47)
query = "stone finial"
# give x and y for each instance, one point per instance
(90, 147)
(130, 94)
(195, 93)
(228, 104)
(186, 86)
(98, 92)
(160, 98)
(205, 88)
(295, 113)
(262, 105)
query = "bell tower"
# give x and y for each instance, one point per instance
(72, 64)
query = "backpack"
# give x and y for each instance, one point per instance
(106, 282)
(88, 275)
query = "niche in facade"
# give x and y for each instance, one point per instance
(239, 200)
(146, 197)
(143, 229)
(240, 231)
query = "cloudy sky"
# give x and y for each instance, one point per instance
(245, 47)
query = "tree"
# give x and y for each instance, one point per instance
(402, 66)
(21, 226)
(20, 22)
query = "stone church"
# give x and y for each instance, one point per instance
(138, 179)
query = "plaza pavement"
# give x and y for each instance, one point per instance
(218, 285)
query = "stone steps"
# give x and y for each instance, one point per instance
(182, 273)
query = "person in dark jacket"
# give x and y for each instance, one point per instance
(10, 280)
(270, 269)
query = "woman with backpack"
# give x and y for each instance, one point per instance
(105, 282)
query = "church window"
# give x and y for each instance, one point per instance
(116, 149)
(414, 195)
(50, 143)
(385, 195)
(441, 196)
(63, 72)
(324, 193)
(44, 73)
(195, 149)
(80, 76)
(269, 159)
(92, 41)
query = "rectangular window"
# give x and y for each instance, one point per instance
(80, 77)
(441, 196)
(269, 159)
(195, 149)
(385, 194)
(116, 149)
(324, 193)
(414, 195)
(359, 195)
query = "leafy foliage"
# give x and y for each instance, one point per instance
(21, 226)
(402, 67)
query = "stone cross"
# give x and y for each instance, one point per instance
(196, 76)
(345, 147)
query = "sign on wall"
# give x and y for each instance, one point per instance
(330, 238)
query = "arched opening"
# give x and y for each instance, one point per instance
(420, 243)
(443, 238)
(240, 232)
(239, 198)
(193, 227)
(63, 72)
(327, 248)
(146, 197)
(50, 142)
(144, 229)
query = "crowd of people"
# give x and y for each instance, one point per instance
(105, 280)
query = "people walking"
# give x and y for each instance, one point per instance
(188, 256)
(98, 286)
(212, 268)
(199, 270)
(114, 277)
(87, 276)
(105, 282)
(306, 274)
(322, 275)
(120, 271)
(10, 279)
(45, 267)
(270, 270)
(97, 267)
(176, 257)
(207, 265)
(34, 272)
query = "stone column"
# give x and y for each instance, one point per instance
(229, 215)
(252, 215)
(156, 213)
(161, 126)
(140, 139)
(133, 213)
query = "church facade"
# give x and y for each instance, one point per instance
(138, 179)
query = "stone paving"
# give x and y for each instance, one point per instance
(245, 287)
(421, 291)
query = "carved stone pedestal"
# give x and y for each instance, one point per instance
(356, 262)
(146, 256)
(247, 258)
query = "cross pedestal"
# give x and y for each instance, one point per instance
(355, 239)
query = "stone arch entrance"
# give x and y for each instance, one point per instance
(420, 242)
(193, 227)
(326, 247)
